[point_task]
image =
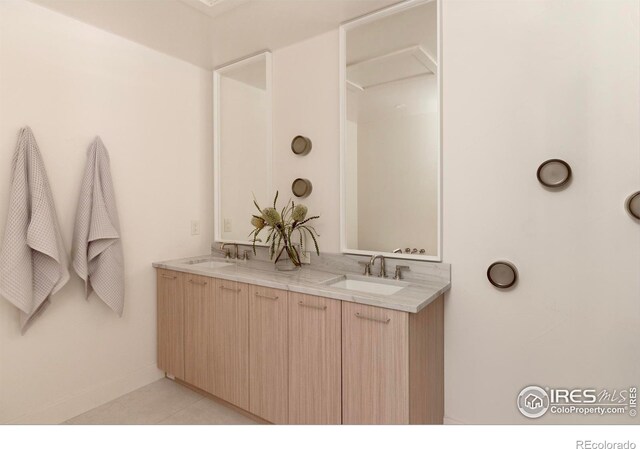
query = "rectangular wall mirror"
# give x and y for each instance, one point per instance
(242, 144)
(391, 127)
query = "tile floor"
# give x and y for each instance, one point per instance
(162, 402)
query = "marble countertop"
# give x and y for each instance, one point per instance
(311, 280)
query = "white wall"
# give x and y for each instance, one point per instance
(69, 82)
(523, 82)
(306, 102)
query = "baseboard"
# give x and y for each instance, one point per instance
(450, 421)
(73, 405)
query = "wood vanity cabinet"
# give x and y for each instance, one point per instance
(268, 350)
(216, 338)
(292, 358)
(392, 365)
(170, 297)
(315, 347)
(229, 337)
(198, 307)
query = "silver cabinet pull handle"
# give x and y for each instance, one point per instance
(222, 287)
(167, 276)
(378, 320)
(258, 295)
(300, 303)
(197, 283)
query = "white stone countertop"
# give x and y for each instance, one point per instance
(415, 295)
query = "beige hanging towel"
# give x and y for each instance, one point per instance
(97, 248)
(33, 261)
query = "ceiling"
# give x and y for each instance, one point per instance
(391, 65)
(416, 26)
(253, 72)
(214, 8)
(210, 36)
(409, 97)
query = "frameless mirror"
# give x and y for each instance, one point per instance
(242, 144)
(391, 133)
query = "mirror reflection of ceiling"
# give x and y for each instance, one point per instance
(252, 74)
(411, 97)
(398, 47)
(212, 36)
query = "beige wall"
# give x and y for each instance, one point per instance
(69, 82)
(525, 82)
(306, 102)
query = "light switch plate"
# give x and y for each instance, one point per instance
(195, 227)
(228, 225)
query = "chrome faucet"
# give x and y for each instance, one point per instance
(383, 272)
(227, 253)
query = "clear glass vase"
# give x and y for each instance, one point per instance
(285, 262)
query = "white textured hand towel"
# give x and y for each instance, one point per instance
(97, 253)
(33, 261)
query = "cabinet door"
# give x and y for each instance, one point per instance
(198, 312)
(229, 357)
(268, 378)
(314, 360)
(170, 316)
(375, 365)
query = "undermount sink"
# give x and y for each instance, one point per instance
(367, 285)
(209, 263)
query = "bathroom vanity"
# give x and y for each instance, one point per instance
(304, 347)
(325, 344)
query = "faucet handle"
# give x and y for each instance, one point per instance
(399, 269)
(225, 252)
(367, 268)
